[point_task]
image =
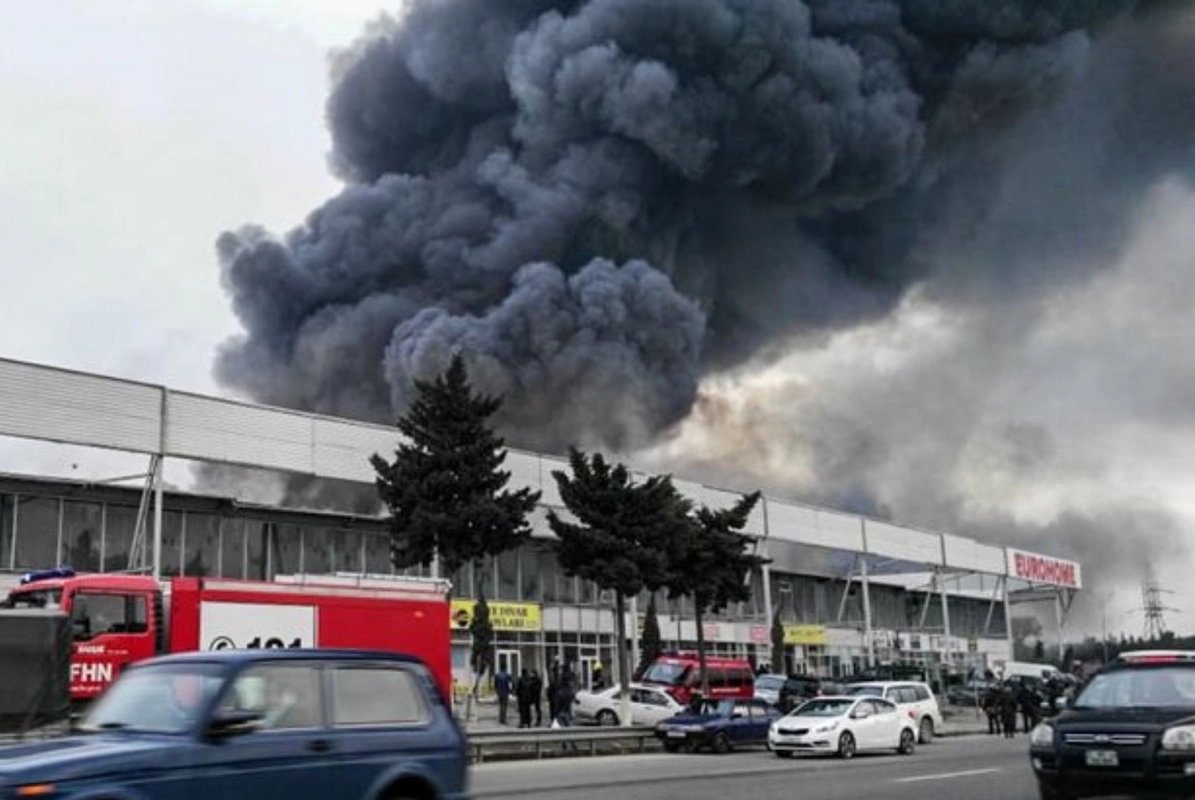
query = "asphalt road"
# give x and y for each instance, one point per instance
(974, 767)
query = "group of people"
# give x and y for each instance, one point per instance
(1003, 700)
(528, 692)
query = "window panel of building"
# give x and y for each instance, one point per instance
(346, 551)
(462, 582)
(549, 572)
(119, 527)
(508, 576)
(37, 532)
(483, 577)
(172, 542)
(255, 557)
(82, 527)
(317, 551)
(285, 547)
(232, 548)
(377, 554)
(201, 544)
(566, 588)
(530, 573)
(7, 504)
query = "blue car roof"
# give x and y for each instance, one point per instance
(232, 657)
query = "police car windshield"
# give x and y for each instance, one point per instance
(1150, 687)
(162, 699)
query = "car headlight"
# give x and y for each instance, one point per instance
(1179, 738)
(833, 726)
(1042, 736)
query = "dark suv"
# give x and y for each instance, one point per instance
(796, 690)
(257, 724)
(1131, 731)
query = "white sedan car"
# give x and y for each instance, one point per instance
(649, 706)
(843, 726)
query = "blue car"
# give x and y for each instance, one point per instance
(720, 725)
(252, 725)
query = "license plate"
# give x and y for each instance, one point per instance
(1102, 758)
(676, 734)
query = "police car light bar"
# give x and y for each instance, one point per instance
(1157, 657)
(58, 573)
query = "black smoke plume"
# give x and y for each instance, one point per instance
(600, 201)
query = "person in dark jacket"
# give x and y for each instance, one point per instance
(553, 689)
(991, 709)
(1008, 709)
(503, 685)
(523, 698)
(536, 697)
(1030, 703)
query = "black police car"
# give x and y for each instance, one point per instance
(1131, 731)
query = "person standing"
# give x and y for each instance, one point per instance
(503, 686)
(523, 698)
(553, 689)
(1008, 707)
(991, 708)
(536, 696)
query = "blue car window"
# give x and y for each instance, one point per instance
(376, 696)
(287, 696)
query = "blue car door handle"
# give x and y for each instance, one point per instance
(319, 745)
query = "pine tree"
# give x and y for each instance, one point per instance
(778, 644)
(622, 538)
(711, 564)
(482, 630)
(651, 644)
(446, 490)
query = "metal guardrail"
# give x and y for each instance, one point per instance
(568, 740)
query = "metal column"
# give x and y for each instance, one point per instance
(866, 583)
(1008, 620)
(945, 618)
(158, 469)
(765, 571)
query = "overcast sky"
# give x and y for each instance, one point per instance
(133, 132)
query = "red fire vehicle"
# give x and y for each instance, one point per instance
(679, 674)
(120, 619)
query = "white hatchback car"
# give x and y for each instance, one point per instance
(843, 726)
(649, 706)
(914, 699)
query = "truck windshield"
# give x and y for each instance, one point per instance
(667, 674)
(42, 598)
(161, 699)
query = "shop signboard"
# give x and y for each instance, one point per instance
(1036, 568)
(760, 634)
(814, 635)
(525, 617)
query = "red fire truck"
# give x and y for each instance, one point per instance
(120, 619)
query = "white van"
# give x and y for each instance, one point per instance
(1027, 669)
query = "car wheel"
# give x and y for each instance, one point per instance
(783, 753)
(927, 731)
(721, 743)
(607, 719)
(908, 742)
(846, 745)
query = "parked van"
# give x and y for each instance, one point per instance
(679, 674)
(1027, 669)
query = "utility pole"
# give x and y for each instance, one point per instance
(1154, 609)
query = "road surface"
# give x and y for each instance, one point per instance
(974, 767)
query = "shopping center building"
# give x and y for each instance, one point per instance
(851, 591)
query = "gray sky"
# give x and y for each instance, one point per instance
(133, 133)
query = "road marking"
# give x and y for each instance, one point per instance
(947, 775)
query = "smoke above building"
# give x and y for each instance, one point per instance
(611, 206)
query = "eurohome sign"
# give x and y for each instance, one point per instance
(526, 617)
(1036, 568)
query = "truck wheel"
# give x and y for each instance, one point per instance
(927, 731)
(846, 745)
(607, 719)
(721, 744)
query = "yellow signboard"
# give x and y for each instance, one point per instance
(812, 635)
(503, 616)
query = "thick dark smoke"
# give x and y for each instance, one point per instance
(600, 201)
